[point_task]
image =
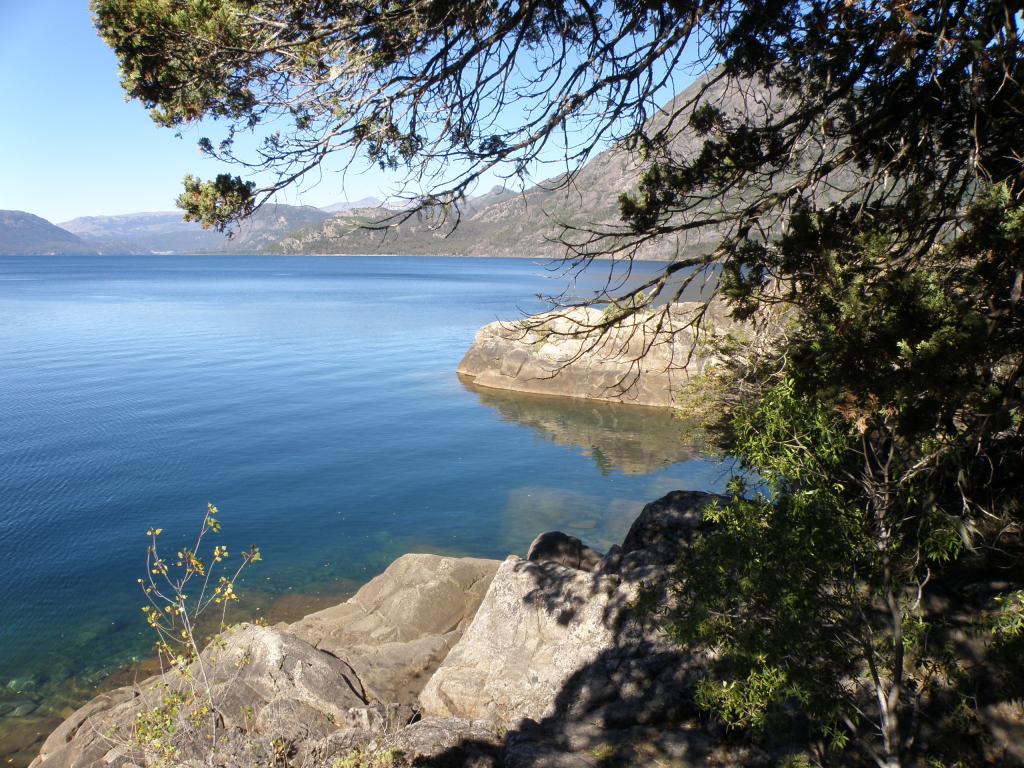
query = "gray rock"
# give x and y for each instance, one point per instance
(79, 740)
(398, 628)
(267, 686)
(539, 624)
(278, 696)
(561, 548)
(668, 525)
(556, 657)
(679, 745)
(339, 746)
(646, 359)
(449, 743)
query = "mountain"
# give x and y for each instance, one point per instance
(503, 222)
(159, 232)
(24, 234)
(167, 232)
(492, 224)
(528, 223)
(366, 202)
(269, 224)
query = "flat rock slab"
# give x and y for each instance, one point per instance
(397, 629)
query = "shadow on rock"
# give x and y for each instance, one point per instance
(558, 658)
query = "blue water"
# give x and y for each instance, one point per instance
(313, 399)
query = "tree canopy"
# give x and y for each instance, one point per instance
(856, 163)
(912, 100)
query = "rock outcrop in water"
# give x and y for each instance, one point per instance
(647, 358)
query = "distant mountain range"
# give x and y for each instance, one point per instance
(166, 232)
(500, 222)
(528, 222)
(366, 202)
(163, 232)
(23, 234)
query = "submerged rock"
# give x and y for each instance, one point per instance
(561, 548)
(631, 439)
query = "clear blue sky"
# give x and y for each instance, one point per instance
(69, 143)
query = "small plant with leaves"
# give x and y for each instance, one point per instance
(179, 595)
(191, 589)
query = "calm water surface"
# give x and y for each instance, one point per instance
(314, 400)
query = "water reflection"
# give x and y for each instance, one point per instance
(631, 439)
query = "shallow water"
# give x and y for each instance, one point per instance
(314, 400)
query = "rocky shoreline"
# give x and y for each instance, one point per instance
(443, 661)
(542, 662)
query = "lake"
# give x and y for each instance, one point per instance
(314, 401)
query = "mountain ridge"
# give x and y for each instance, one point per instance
(499, 222)
(528, 222)
(166, 232)
(25, 234)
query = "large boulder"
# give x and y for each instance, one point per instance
(396, 630)
(644, 359)
(560, 659)
(667, 526)
(538, 626)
